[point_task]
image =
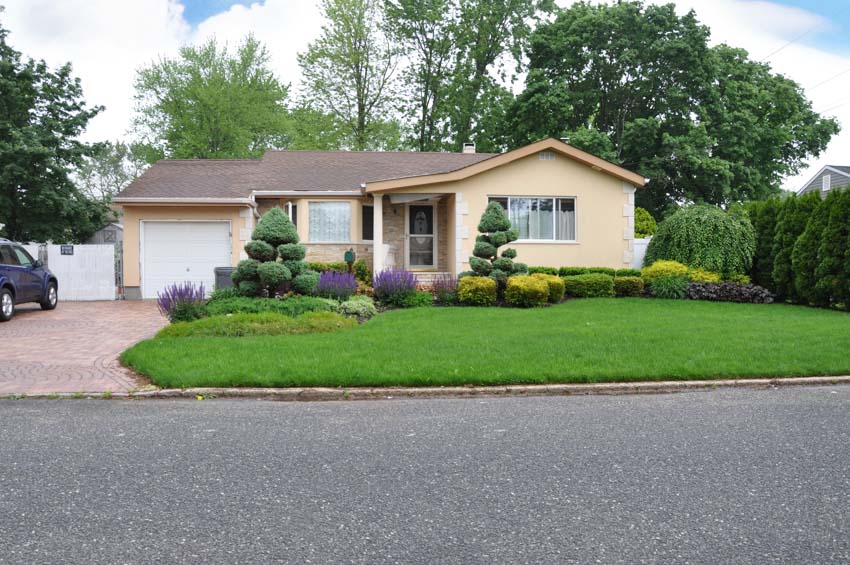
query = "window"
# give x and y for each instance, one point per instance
(330, 222)
(368, 223)
(546, 156)
(292, 212)
(24, 258)
(109, 236)
(6, 256)
(541, 219)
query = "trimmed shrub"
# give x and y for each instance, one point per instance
(338, 266)
(476, 291)
(526, 291)
(273, 275)
(444, 288)
(740, 279)
(519, 268)
(669, 287)
(572, 271)
(627, 273)
(544, 270)
(246, 270)
(264, 323)
(604, 270)
(555, 284)
(628, 286)
(729, 292)
(359, 306)
(292, 306)
(181, 302)
(790, 223)
(390, 283)
(645, 225)
(305, 283)
(591, 285)
(260, 251)
(701, 275)
(339, 286)
(663, 269)
(292, 252)
(275, 228)
(362, 272)
(296, 267)
(495, 231)
(705, 236)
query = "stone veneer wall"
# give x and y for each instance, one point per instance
(394, 223)
(335, 252)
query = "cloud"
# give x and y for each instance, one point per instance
(107, 40)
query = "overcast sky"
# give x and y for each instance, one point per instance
(107, 40)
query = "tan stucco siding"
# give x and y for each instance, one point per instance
(241, 222)
(604, 210)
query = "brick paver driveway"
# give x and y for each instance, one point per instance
(74, 348)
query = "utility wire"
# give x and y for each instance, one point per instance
(830, 79)
(805, 33)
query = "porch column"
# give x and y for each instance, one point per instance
(378, 233)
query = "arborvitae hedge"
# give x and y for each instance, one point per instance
(762, 215)
(832, 274)
(790, 223)
(805, 257)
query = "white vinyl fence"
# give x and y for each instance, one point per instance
(640, 252)
(85, 272)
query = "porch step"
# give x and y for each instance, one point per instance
(426, 279)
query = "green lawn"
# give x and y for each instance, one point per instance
(593, 340)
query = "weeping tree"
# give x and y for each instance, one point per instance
(275, 257)
(495, 231)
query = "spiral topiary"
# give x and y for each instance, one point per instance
(275, 256)
(495, 231)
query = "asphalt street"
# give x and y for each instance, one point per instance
(727, 476)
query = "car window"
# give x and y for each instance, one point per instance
(6, 255)
(24, 258)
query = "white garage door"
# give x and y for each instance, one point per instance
(175, 252)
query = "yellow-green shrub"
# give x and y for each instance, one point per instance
(526, 291)
(663, 268)
(740, 279)
(556, 286)
(476, 291)
(591, 285)
(701, 275)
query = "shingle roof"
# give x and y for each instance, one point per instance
(290, 171)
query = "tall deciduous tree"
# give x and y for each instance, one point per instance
(211, 103)
(348, 72)
(42, 113)
(704, 124)
(109, 169)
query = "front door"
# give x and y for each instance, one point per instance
(421, 236)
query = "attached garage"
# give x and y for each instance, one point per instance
(179, 251)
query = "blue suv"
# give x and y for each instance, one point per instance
(24, 279)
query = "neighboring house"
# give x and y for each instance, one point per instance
(828, 178)
(110, 233)
(414, 210)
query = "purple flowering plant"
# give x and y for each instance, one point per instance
(333, 284)
(391, 283)
(174, 296)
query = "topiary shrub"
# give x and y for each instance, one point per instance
(260, 251)
(627, 273)
(663, 269)
(705, 236)
(645, 225)
(495, 231)
(591, 285)
(305, 283)
(628, 286)
(669, 287)
(526, 291)
(274, 237)
(476, 291)
(555, 284)
(572, 271)
(701, 275)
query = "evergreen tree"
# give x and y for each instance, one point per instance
(831, 273)
(495, 231)
(763, 215)
(791, 220)
(805, 257)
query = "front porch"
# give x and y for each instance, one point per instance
(416, 232)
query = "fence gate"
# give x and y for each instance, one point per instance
(85, 272)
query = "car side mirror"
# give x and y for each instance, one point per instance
(38, 264)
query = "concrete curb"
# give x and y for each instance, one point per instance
(387, 393)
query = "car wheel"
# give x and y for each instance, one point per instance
(52, 298)
(7, 305)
